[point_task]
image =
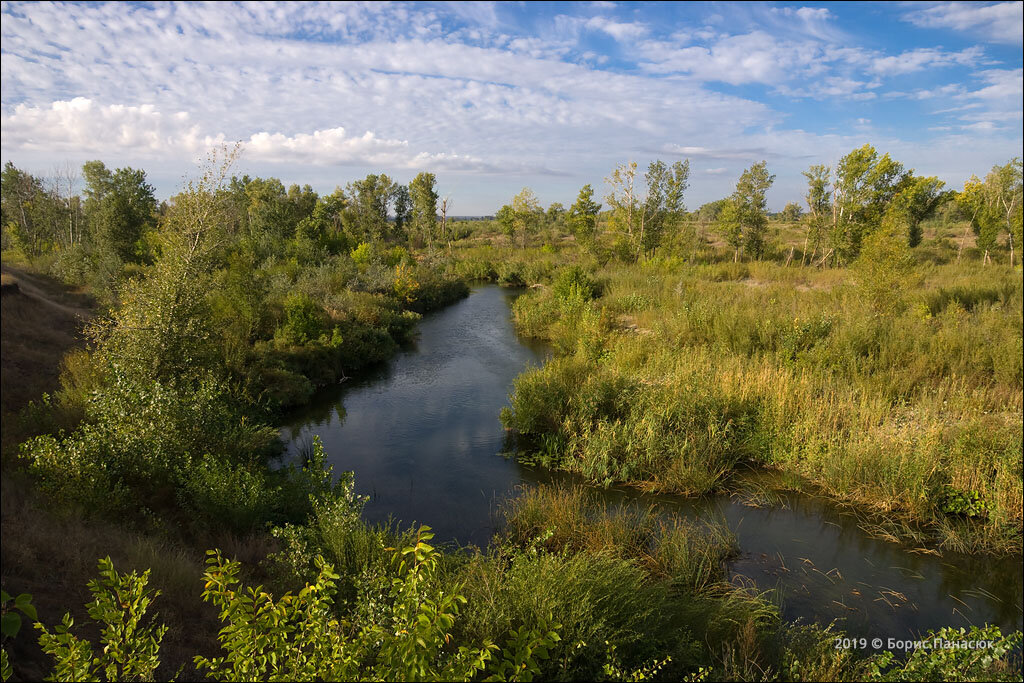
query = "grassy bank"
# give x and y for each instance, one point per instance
(670, 373)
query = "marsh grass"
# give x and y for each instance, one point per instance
(651, 584)
(679, 373)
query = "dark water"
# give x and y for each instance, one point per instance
(422, 434)
(424, 439)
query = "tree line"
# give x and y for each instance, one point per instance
(111, 223)
(863, 193)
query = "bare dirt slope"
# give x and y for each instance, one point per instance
(40, 320)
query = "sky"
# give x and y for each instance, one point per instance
(494, 97)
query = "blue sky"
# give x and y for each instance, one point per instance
(493, 97)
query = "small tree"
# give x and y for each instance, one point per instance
(885, 268)
(730, 225)
(791, 213)
(750, 203)
(918, 200)
(819, 207)
(119, 207)
(424, 207)
(526, 214)
(583, 218)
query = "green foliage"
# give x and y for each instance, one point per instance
(10, 622)
(298, 636)
(886, 268)
(140, 440)
(303, 320)
(574, 284)
(954, 501)
(363, 253)
(131, 643)
(952, 654)
(614, 671)
(424, 207)
(119, 207)
(749, 203)
(582, 219)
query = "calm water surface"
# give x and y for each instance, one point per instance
(422, 435)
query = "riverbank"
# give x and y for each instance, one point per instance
(668, 376)
(423, 441)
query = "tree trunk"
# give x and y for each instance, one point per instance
(962, 240)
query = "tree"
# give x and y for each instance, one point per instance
(1003, 195)
(730, 225)
(624, 206)
(582, 220)
(267, 213)
(527, 214)
(663, 207)
(554, 219)
(161, 331)
(28, 209)
(885, 268)
(424, 207)
(642, 217)
(791, 213)
(403, 210)
(506, 218)
(918, 200)
(973, 204)
(819, 206)
(63, 184)
(864, 186)
(446, 207)
(994, 205)
(369, 199)
(750, 201)
(119, 207)
(325, 221)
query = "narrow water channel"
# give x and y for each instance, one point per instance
(422, 435)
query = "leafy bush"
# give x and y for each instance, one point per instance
(303, 320)
(945, 655)
(131, 643)
(573, 283)
(362, 254)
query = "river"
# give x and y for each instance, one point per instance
(422, 435)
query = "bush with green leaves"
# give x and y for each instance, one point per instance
(131, 642)
(10, 623)
(953, 654)
(301, 636)
(139, 442)
(574, 283)
(303, 320)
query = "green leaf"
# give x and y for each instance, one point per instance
(10, 624)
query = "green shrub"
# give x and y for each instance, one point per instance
(573, 283)
(131, 643)
(303, 320)
(946, 656)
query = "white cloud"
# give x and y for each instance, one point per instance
(619, 30)
(81, 125)
(756, 57)
(922, 58)
(1001, 22)
(461, 87)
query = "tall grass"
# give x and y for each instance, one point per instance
(677, 373)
